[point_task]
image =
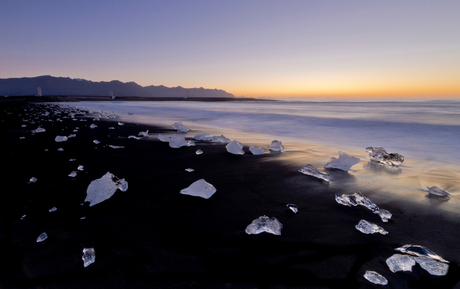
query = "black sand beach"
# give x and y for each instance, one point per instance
(153, 237)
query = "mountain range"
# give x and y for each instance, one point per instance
(65, 86)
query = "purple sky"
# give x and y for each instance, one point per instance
(251, 48)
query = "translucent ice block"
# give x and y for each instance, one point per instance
(103, 188)
(180, 127)
(312, 171)
(177, 141)
(437, 191)
(432, 266)
(43, 236)
(344, 162)
(369, 228)
(89, 256)
(200, 188)
(60, 138)
(375, 278)
(399, 262)
(276, 146)
(235, 147)
(420, 251)
(380, 155)
(265, 224)
(256, 150)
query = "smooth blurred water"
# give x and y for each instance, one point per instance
(423, 129)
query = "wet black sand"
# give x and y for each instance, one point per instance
(153, 237)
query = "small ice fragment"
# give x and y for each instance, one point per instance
(43, 236)
(189, 170)
(60, 138)
(369, 228)
(116, 147)
(375, 278)
(73, 174)
(312, 171)
(89, 256)
(120, 123)
(82, 218)
(32, 180)
(134, 137)
(23, 216)
(72, 160)
(53, 209)
(264, 224)
(96, 141)
(38, 129)
(385, 215)
(220, 139)
(200, 188)
(103, 188)
(199, 152)
(235, 147)
(190, 143)
(144, 133)
(180, 127)
(164, 138)
(344, 162)
(80, 168)
(71, 135)
(60, 149)
(24, 125)
(203, 137)
(111, 127)
(93, 125)
(399, 262)
(293, 207)
(177, 141)
(256, 150)
(380, 155)
(276, 146)
(432, 266)
(22, 137)
(437, 191)
(420, 251)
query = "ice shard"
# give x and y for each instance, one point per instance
(433, 267)
(32, 180)
(60, 138)
(89, 256)
(276, 146)
(292, 207)
(355, 200)
(177, 141)
(96, 141)
(399, 262)
(369, 228)
(385, 215)
(164, 138)
(264, 224)
(437, 191)
(43, 236)
(189, 170)
(103, 188)
(116, 147)
(199, 152)
(143, 133)
(375, 278)
(256, 150)
(93, 125)
(200, 188)
(235, 147)
(380, 155)
(134, 137)
(312, 171)
(80, 168)
(180, 127)
(344, 162)
(420, 251)
(73, 174)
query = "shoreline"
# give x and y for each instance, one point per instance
(151, 235)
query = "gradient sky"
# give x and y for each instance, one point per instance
(248, 48)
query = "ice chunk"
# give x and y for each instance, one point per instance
(264, 224)
(120, 123)
(190, 143)
(60, 149)
(72, 160)
(220, 139)
(375, 278)
(203, 137)
(312, 171)
(164, 138)
(344, 162)
(357, 199)
(199, 152)
(437, 191)
(292, 207)
(53, 209)
(32, 180)
(73, 174)
(71, 135)
(200, 188)
(116, 147)
(103, 188)
(43, 236)
(144, 133)
(89, 256)
(80, 168)
(38, 129)
(420, 251)
(60, 138)
(369, 228)
(385, 215)
(177, 141)
(235, 147)
(189, 170)
(180, 127)
(93, 125)
(432, 266)
(380, 155)
(276, 146)
(399, 262)
(256, 150)
(134, 137)
(96, 141)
